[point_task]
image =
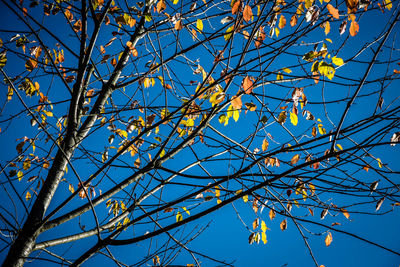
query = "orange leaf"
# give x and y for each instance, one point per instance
(236, 102)
(283, 225)
(293, 20)
(345, 213)
(271, 214)
(178, 25)
(247, 13)
(295, 159)
(282, 22)
(333, 11)
(235, 7)
(247, 85)
(328, 239)
(113, 62)
(161, 6)
(354, 28)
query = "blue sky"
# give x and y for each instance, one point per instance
(226, 235)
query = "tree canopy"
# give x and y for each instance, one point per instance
(128, 126)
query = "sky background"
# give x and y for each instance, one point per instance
(226, 238)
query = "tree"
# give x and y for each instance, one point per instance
(128, 121)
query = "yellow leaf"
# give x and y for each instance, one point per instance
(48, 113)
(186, 210)
(279, 76)
(245, 198)
(175, 2)
(293, 118)
(264, 145)
(199, 25)
(236, 115)
(264, 237)
(379, 162)
(20, 174)
(328, 239)
(329, 40)
(28, 196)
(263, 226)
(287, 70)
(321, 129)
(327, 27)
(228, 33)
(71, 188)
(277, 31)
(179, 217)
(388, 4)
(339, 146)
(337, 61)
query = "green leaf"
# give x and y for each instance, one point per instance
(228, 33)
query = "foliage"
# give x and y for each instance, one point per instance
(131, 122)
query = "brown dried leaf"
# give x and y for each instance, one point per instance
(283, 225)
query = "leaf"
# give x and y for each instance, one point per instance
(236, 102)
(283, 225)
(345, 213)
(178, 25)
(379, 162)
(282, 117)
(3, 59)
(229, 33)
(31, 64)
(324, 212)
(282, 22)
(333, 11)
(255, 223)
(199, 25)
(247, 85)
(28, 196)
(179, 217)
(343, 27)
(20, 175)
(279, 76)
(265, 144)
(287, 70)
(271, 214)
(245, 198)
(186, 210)
(379, 204)
(247, 13)
(264, 237)
(395, 138)
(388, 4)
(293, 20)
(326, 70)
(327, 27)
(328, 239)
(27, 164)
(71, 188)
(263, 226)
(236, 115)
(354, 28)
(295, 159)
(321, 129)
(337, 61)
(339, 146)
(235, 7)
(161, 6)
(293, 118)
